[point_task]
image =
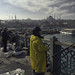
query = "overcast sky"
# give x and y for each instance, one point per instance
(37, 9)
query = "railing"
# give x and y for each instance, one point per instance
(62, 59)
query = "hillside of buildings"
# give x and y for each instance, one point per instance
(47, 25)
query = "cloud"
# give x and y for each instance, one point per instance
(64, 7)
(32, 5)
(45, 7)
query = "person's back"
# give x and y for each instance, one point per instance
(16, 39)
(4, 35)
(37, 53)
(4, 39)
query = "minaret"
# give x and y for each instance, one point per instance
(12, 17)
(15, 17)
(54, 15)
(9, 17)
(60, 16)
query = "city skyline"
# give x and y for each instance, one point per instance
(37, 9)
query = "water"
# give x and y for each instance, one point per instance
(63, 38)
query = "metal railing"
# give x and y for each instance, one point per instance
(68, 62)
(63, 59)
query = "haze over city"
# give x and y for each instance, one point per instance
(37, 9)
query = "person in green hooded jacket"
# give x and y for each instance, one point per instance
(37, 53)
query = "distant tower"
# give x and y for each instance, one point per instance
(12, 17)
(57, 17)
(15, 17)
(9, 17)
(54, 15)
(60, 16)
